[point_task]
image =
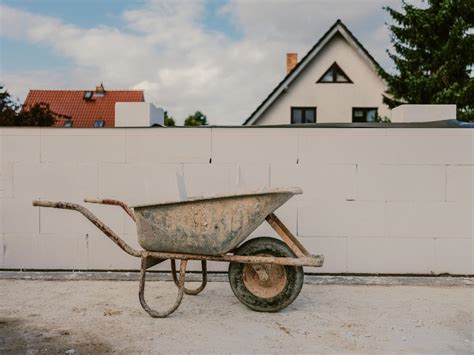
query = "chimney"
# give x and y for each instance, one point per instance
(99, 90)
(291, 61)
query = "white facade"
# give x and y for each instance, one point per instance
(333, 101)
(138, 114)
(383, 200)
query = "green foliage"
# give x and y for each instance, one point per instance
(196, 119)
(434, 55)
(169, 120)
(11, 115)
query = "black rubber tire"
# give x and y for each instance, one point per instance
(294, 276)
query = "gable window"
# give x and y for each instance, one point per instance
(364, 114)
(99, 123)
(67, 124)
(334, 75)
(303, 115)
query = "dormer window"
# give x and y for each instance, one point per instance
(334, 75)
(88, 95)
(67, 124)
(99, 123)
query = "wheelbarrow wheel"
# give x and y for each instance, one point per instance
(265, 287)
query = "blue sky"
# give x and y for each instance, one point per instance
(186, 54)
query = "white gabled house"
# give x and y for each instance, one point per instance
(336, 81)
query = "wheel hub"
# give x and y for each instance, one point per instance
(264, 280)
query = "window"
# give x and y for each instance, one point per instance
(88, 95)
(334, 75)
(99, 123)
(67, 124)
(364, 114)
(303, 115)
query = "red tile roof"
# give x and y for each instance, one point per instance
(83, 113)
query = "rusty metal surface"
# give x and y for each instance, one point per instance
(312, 260)
(285, 234)
(209, 226)
(264, 280)
(111, 202)
(188, 291)
(141, 291)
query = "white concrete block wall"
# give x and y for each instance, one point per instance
(375, 200)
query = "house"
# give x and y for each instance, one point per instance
(336, 81)
(83, 108)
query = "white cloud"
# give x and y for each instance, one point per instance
(165, 49)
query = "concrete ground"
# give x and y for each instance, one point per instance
(38, 316)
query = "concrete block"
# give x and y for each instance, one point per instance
(322, 218)
(247, 177)
(103, 254)
(20, 148)
(401, 183)
(59, 251)
(6, 178)
(18, 252)
(460, 183)
(328, 182)
(454, 256)
(371, 184)
(2, 250)
(139, 183)
(333, 249)
(428, 219)
(286, 175)
(207, 179)
(250, 145)
(425, 147)
(415, 183)
(18, 216)
(341, 146)
(338, 219)
(364, 218)
(391, 255)
(63, 182)
(170, 145)
(65, 222)
(83, 148)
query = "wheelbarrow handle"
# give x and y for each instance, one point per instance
(108, 201)
(40, 203)
(91, 217)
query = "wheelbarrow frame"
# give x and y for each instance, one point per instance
(151, 258)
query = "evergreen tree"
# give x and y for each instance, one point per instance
(434, 55)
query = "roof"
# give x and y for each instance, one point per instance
(337, 27)
(83, 112)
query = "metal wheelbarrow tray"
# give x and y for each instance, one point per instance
(265, 273)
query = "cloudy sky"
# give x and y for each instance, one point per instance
(220, 57)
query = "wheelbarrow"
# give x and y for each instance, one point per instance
(265, 274)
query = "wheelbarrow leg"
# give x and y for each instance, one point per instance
(204, 278)
(180, 284)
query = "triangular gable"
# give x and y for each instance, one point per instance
(338, 27)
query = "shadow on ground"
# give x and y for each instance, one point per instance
(17, 336)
